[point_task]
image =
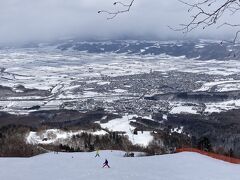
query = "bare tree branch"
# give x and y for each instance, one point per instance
(113, 14)
(207, 13)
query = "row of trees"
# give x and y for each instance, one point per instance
(13, 144)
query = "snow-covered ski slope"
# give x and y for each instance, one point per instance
(84, 166)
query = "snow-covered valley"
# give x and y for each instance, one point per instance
(164, 96)
(48, 77)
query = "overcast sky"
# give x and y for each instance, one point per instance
(44, 20)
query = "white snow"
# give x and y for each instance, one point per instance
(222, 106)
(164, 117)
(119, 90)
(183, 109)
(228, 87)
(101, 132)
(123, 124)
(103, 83)
(90, 94)
(178, 130)
(55, 135)
(199, 46)
(84, 166)
(222, 84)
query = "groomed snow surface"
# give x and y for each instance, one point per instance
(84, 166)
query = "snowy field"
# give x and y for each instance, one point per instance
(53, 70)
(79, 166)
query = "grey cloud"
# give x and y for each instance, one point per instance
(42, 20)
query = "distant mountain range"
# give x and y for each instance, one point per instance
(199, 49)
